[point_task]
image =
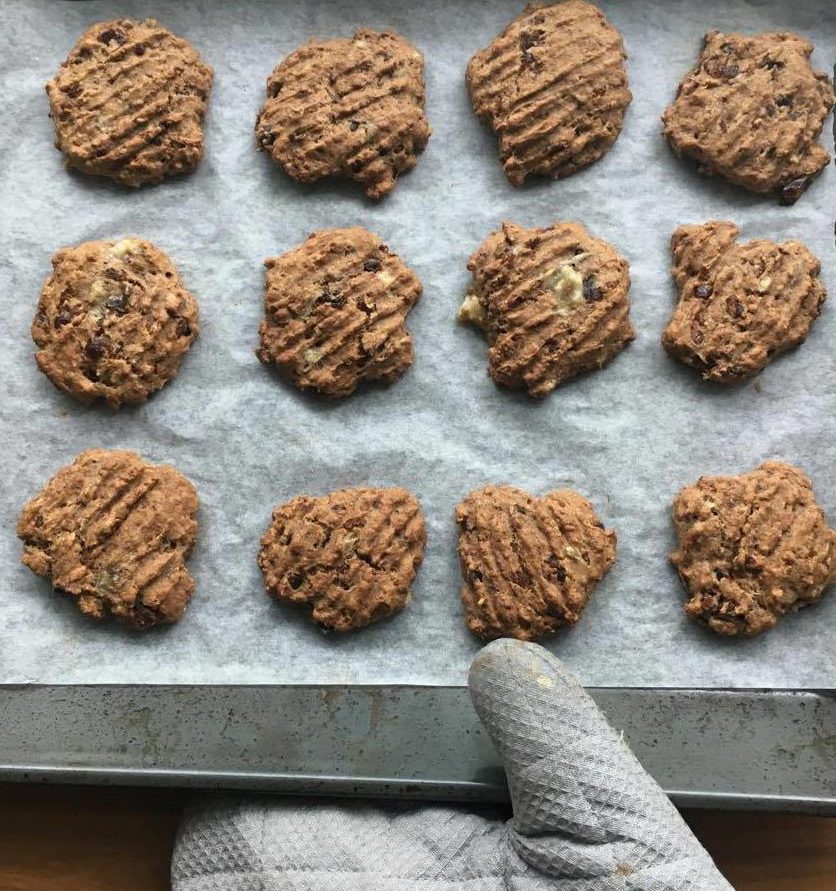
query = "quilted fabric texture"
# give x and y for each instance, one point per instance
(586, 815)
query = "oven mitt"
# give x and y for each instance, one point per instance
(586, 815)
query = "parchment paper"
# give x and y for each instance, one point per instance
(628, 436)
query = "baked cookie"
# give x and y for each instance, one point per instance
(740, 305)
(347, 107)
(529, 565)
(751, 548)
(350, 556)
(751, 111)
(114, 532)
(128, 102)
(553, 303)
(114, 321)
(335, 310)
(553, 87)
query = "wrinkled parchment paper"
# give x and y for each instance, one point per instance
(628, 436)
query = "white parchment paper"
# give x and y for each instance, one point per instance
(628, 436)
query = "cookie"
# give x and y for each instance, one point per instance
(529, 565)
(740, 305)
(114, 531)
(347, 107)
(350, 556)
(335, 310)
(552, 302)
(751, 111)
(553, 87)
(114, 321)
(128, 102)
(752, 548)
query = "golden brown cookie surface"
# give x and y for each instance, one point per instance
(553, 87)
(347, 107)
(114, 532)
(350, 556)
(114, 321)
(751, 111)
(553, 303)
(335, 312)
(752, 548)
(740, 305)
(529, 565)
(128, 103)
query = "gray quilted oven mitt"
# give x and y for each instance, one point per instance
(586, 815)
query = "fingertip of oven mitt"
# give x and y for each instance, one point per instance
(585, 811)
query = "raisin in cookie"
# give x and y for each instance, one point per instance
(350, 556)
(529, 565)
(128, 103)
(114, 532)
(553, 303)
(740, 305)
(347, 107)
(114, 321)
(752, 548)
(335, 310)
(553, 87)
(751, 111)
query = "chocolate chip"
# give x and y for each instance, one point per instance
(183, 328)
(295, 580)
(72, 90)
(735, 307)
(371, 265)
(63, 318)
(794, 189)
(112, 35)
(114, 274)
(529, 39)
(591, 291)
(530, 61)
(96, 347)
(559, 571)
(772, 64)
(117, 303)
(266, 138)
(139, 50)
(703, 291)
(475, 576)
(783, 101)
(353, 125)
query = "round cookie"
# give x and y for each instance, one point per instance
(347, 107)
(114, 321)
(752, 548)
(529, 565)
(335, 310)
(553, 87)
(128, 103)
(114, 531)
(751, 110)
(350, 556)
(553, 303)
(740, 305)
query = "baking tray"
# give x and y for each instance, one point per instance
(243, 693)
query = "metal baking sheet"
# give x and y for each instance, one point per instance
(628, 436)
(406, 741)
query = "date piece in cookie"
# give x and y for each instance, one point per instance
(529, 565)
(114, 532)
(553, 87)
(350, 556)
(751, 111)
(114, 321)
(740, 305)
(347, 107)
(553, 303)
(335, 310)
(128, 103)
(752, 548)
